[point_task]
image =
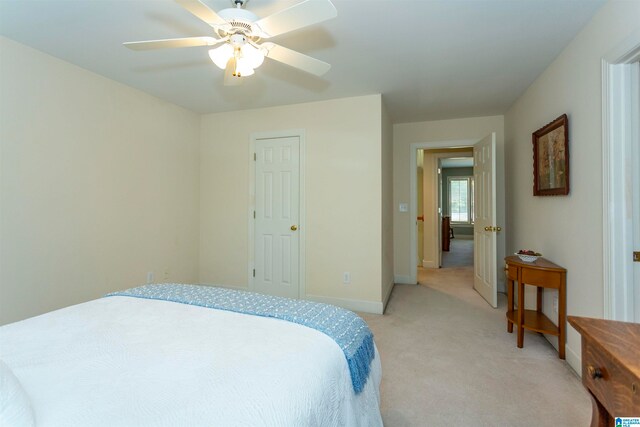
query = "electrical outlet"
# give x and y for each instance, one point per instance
(150, 277)
(555, 303)
(166, 275)
(346, 277)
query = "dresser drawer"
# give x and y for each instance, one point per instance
(547, 279)
(612, 385)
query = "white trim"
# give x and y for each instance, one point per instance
(301, 134)
(385, 300)
(350, 304)
(573, 359)
(413, 202)
(429, 264)
(405, 280)
(619, 88)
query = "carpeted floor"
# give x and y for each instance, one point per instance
(460, 253)
(447, 359)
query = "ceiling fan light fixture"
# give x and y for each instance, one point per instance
(221, 55)
(253, 56)
(248, 58)
(243, 68)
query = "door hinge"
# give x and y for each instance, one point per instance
(636, 256)
(254, 214)
(254, 272)
(254, 157)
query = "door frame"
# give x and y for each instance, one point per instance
(253, 138)
(618, 119)
(413, 197)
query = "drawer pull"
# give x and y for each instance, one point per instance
(634, 388)
(594, 373)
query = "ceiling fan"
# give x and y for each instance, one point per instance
(240, 33)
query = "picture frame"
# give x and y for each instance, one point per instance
(551, 158)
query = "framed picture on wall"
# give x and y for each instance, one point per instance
(551, 158)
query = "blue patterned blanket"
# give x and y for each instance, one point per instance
(345, 327)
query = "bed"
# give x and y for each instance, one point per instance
(131, 360)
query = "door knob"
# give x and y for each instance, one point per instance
(294, 227)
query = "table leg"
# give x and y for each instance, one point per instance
(509, 303)
(520, 313)
(600, 417)
(539, 299)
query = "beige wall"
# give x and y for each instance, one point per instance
(343, 195)
(567, 229)
(98, 185)
(404, 135)
(387, 205)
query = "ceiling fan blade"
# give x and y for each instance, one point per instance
(202, 11)
(171, 43)
(229, 78)
(296, 59)
(303, 14)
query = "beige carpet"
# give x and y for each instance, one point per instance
(447, 359)
(460, 253)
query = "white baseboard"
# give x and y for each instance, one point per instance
(573, 360)
(429, 264)
(350, 304)
(403, 280)
(385, 299)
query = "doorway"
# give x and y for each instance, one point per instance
(456, 188)
(432, 203)
(485, 228)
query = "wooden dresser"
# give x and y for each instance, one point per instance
(610, 367)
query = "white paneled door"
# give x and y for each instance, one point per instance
(485, 228)
(277, 213)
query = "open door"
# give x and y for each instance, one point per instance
(485, 228)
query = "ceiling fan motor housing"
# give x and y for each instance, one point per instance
(238, 40)
(239, 20)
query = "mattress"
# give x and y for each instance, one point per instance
(123, 361)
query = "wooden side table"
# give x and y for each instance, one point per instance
(610, 367)
(542, 274)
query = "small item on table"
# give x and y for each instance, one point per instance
(527, 255)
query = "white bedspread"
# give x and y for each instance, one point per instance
(122, 361)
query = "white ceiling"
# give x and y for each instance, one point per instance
(431, 59)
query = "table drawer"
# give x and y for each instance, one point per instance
(616, 389)
(512, 272)
(547, 279)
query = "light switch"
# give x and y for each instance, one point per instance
(404, 207)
